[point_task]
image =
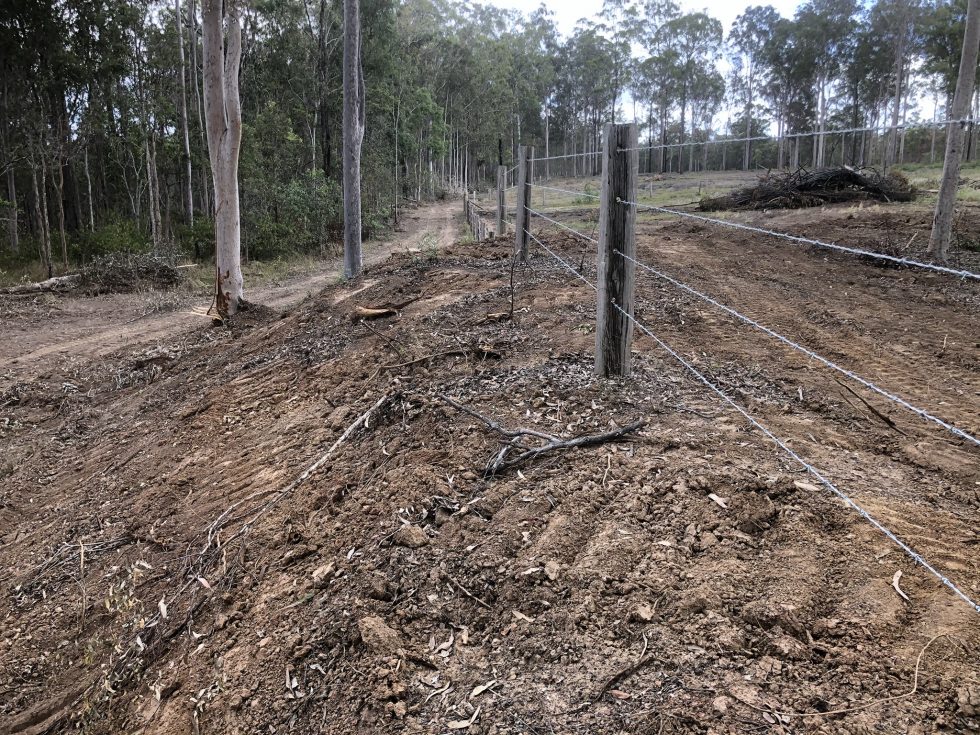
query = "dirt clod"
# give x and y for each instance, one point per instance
(377, 635)
(411, 536)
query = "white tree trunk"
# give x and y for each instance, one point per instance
(223, 118)
(942, 223)
(353, 137)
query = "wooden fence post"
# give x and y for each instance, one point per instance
(501, 201)
(522, 221)
(617, 237)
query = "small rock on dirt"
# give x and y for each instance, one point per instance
(322, 575)
(378, 635)
(411, 536)
(767, 615)
(968, 701)
(379, 588)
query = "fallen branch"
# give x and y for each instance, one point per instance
(484, 353)
(515, 444)
(58, 284)
(891, 424)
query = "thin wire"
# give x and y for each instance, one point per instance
(810, 241)
(776, 138)
(564, 227)
(565, 191)
(914, 555)
(570, 155)
(562, 261)
(806, 465)
(810, 353)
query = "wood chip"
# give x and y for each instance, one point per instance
(720, 501)
(463, 724)
(895, 580)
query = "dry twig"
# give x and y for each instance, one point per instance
(515, 443)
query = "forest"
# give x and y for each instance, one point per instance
(104, 148)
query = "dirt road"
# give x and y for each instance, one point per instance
(43, 328)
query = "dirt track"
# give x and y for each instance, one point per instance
(39, 329)
(602, 590)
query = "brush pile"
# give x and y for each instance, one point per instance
(803, 188)
(123, 273)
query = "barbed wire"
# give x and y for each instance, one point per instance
(808, 134)
(569, 155)
(810, 353)
(566, 191)
(563, 226)
(810, 469)
(808, 241)
(562, 261)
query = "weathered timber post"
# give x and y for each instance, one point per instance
(501, 201)
(617, 238)
(522, 221)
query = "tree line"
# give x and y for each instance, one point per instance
(104, 135)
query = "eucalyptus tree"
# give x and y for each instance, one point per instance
(695, 40)
(750, 37)
(824, 26)
(223, 117)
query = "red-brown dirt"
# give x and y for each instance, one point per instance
(163, 576)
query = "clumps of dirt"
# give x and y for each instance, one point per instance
(803, 188)
(279, 526)
(127, 272)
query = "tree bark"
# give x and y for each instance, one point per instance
(41, 205)
(198, 103)
(942, 223)
(223, 118)
(188, 172)
(14, 240)
(353, 137)
(60, 189)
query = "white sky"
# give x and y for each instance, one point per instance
(567, 12)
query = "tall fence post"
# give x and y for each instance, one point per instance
(617, 238)
(501, 201)
(525, 154)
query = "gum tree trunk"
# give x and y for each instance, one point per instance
(223, 118)
(942, 223)
(353, 137)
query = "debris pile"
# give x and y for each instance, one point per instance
(123, 273)
(803, 188)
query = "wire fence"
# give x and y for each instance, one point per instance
(771, 436)
(521, 204)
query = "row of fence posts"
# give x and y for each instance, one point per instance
(615, 266)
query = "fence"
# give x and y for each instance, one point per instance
(616, 267)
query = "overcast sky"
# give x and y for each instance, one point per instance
(567, 12)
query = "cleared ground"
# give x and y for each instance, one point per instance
(163, 577)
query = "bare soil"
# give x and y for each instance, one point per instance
(164, 571)
(41, 328)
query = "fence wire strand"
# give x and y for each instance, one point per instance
(808, 241)
(563, 226)
(810, 469)
(566, 191)
(922, 413)
(809, 134)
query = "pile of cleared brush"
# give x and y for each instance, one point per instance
(121, 273)
(803, 188)
(115, 273)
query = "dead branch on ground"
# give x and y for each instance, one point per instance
(516, 450)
